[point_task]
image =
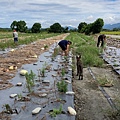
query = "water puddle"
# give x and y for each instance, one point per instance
(45, 95)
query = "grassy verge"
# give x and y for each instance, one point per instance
(86, 46)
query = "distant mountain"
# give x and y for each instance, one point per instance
(111, 26)
(70, 27)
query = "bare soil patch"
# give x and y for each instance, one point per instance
(90, 103)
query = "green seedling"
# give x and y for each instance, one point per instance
(30, 80)
(8, 109)
(55, 53)
(19, 96)
(42, 72)
(62, 86)
(63, 72)
(55, 111)
(45, 47)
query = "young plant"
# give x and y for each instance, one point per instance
(103, 81)
(62, 86)
(63, 72)
(45, 47)
(30, 80)
(42, 72)
(65, 57)
(8, 109)
(55, 53)
(55, 112)
(19, 96)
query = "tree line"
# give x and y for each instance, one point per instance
(83, 27)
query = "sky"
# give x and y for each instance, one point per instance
(65, 12)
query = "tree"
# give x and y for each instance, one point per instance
(97, 26)
(91, 28)
(19, 26)
(13, 25)
(88, 29)
(64, 30)
(56, 28)
(81, 27)
(36, 28)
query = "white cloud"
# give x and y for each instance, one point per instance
(66, 12)
(90, 19)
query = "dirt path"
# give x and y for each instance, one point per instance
(90, 103)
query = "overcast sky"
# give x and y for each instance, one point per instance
(65, 12)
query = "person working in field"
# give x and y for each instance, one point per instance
(65, 46)
(15, 36)
(102, 42)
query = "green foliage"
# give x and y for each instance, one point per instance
(56, 28)
(19, 26)
(110, 32)
(81, 27)
(91, 28)
(97, 26)
(103, 81)
(55, 112)
(13, 25)
(45, 47)
(42, 71)
(30, 80)
(62, 86)
(7, 38)
(90, 56)
(63, 72)
(7, 107)
(55, 53)
(20, 96)
(36, 28)
(86, 46)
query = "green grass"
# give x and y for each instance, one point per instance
(6, 38)
(110, 32)
(86, 46)
(83, 44)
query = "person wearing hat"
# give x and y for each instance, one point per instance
(15, 36)
(65, 45)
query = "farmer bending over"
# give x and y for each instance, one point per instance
(102, 40)
(65, 46)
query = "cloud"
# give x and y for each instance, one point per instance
(66, 12)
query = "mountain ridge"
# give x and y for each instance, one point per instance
(111, 26)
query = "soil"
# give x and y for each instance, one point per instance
(90, 102)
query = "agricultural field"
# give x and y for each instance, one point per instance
(96, 96)
(111, 32)
(6, 38)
